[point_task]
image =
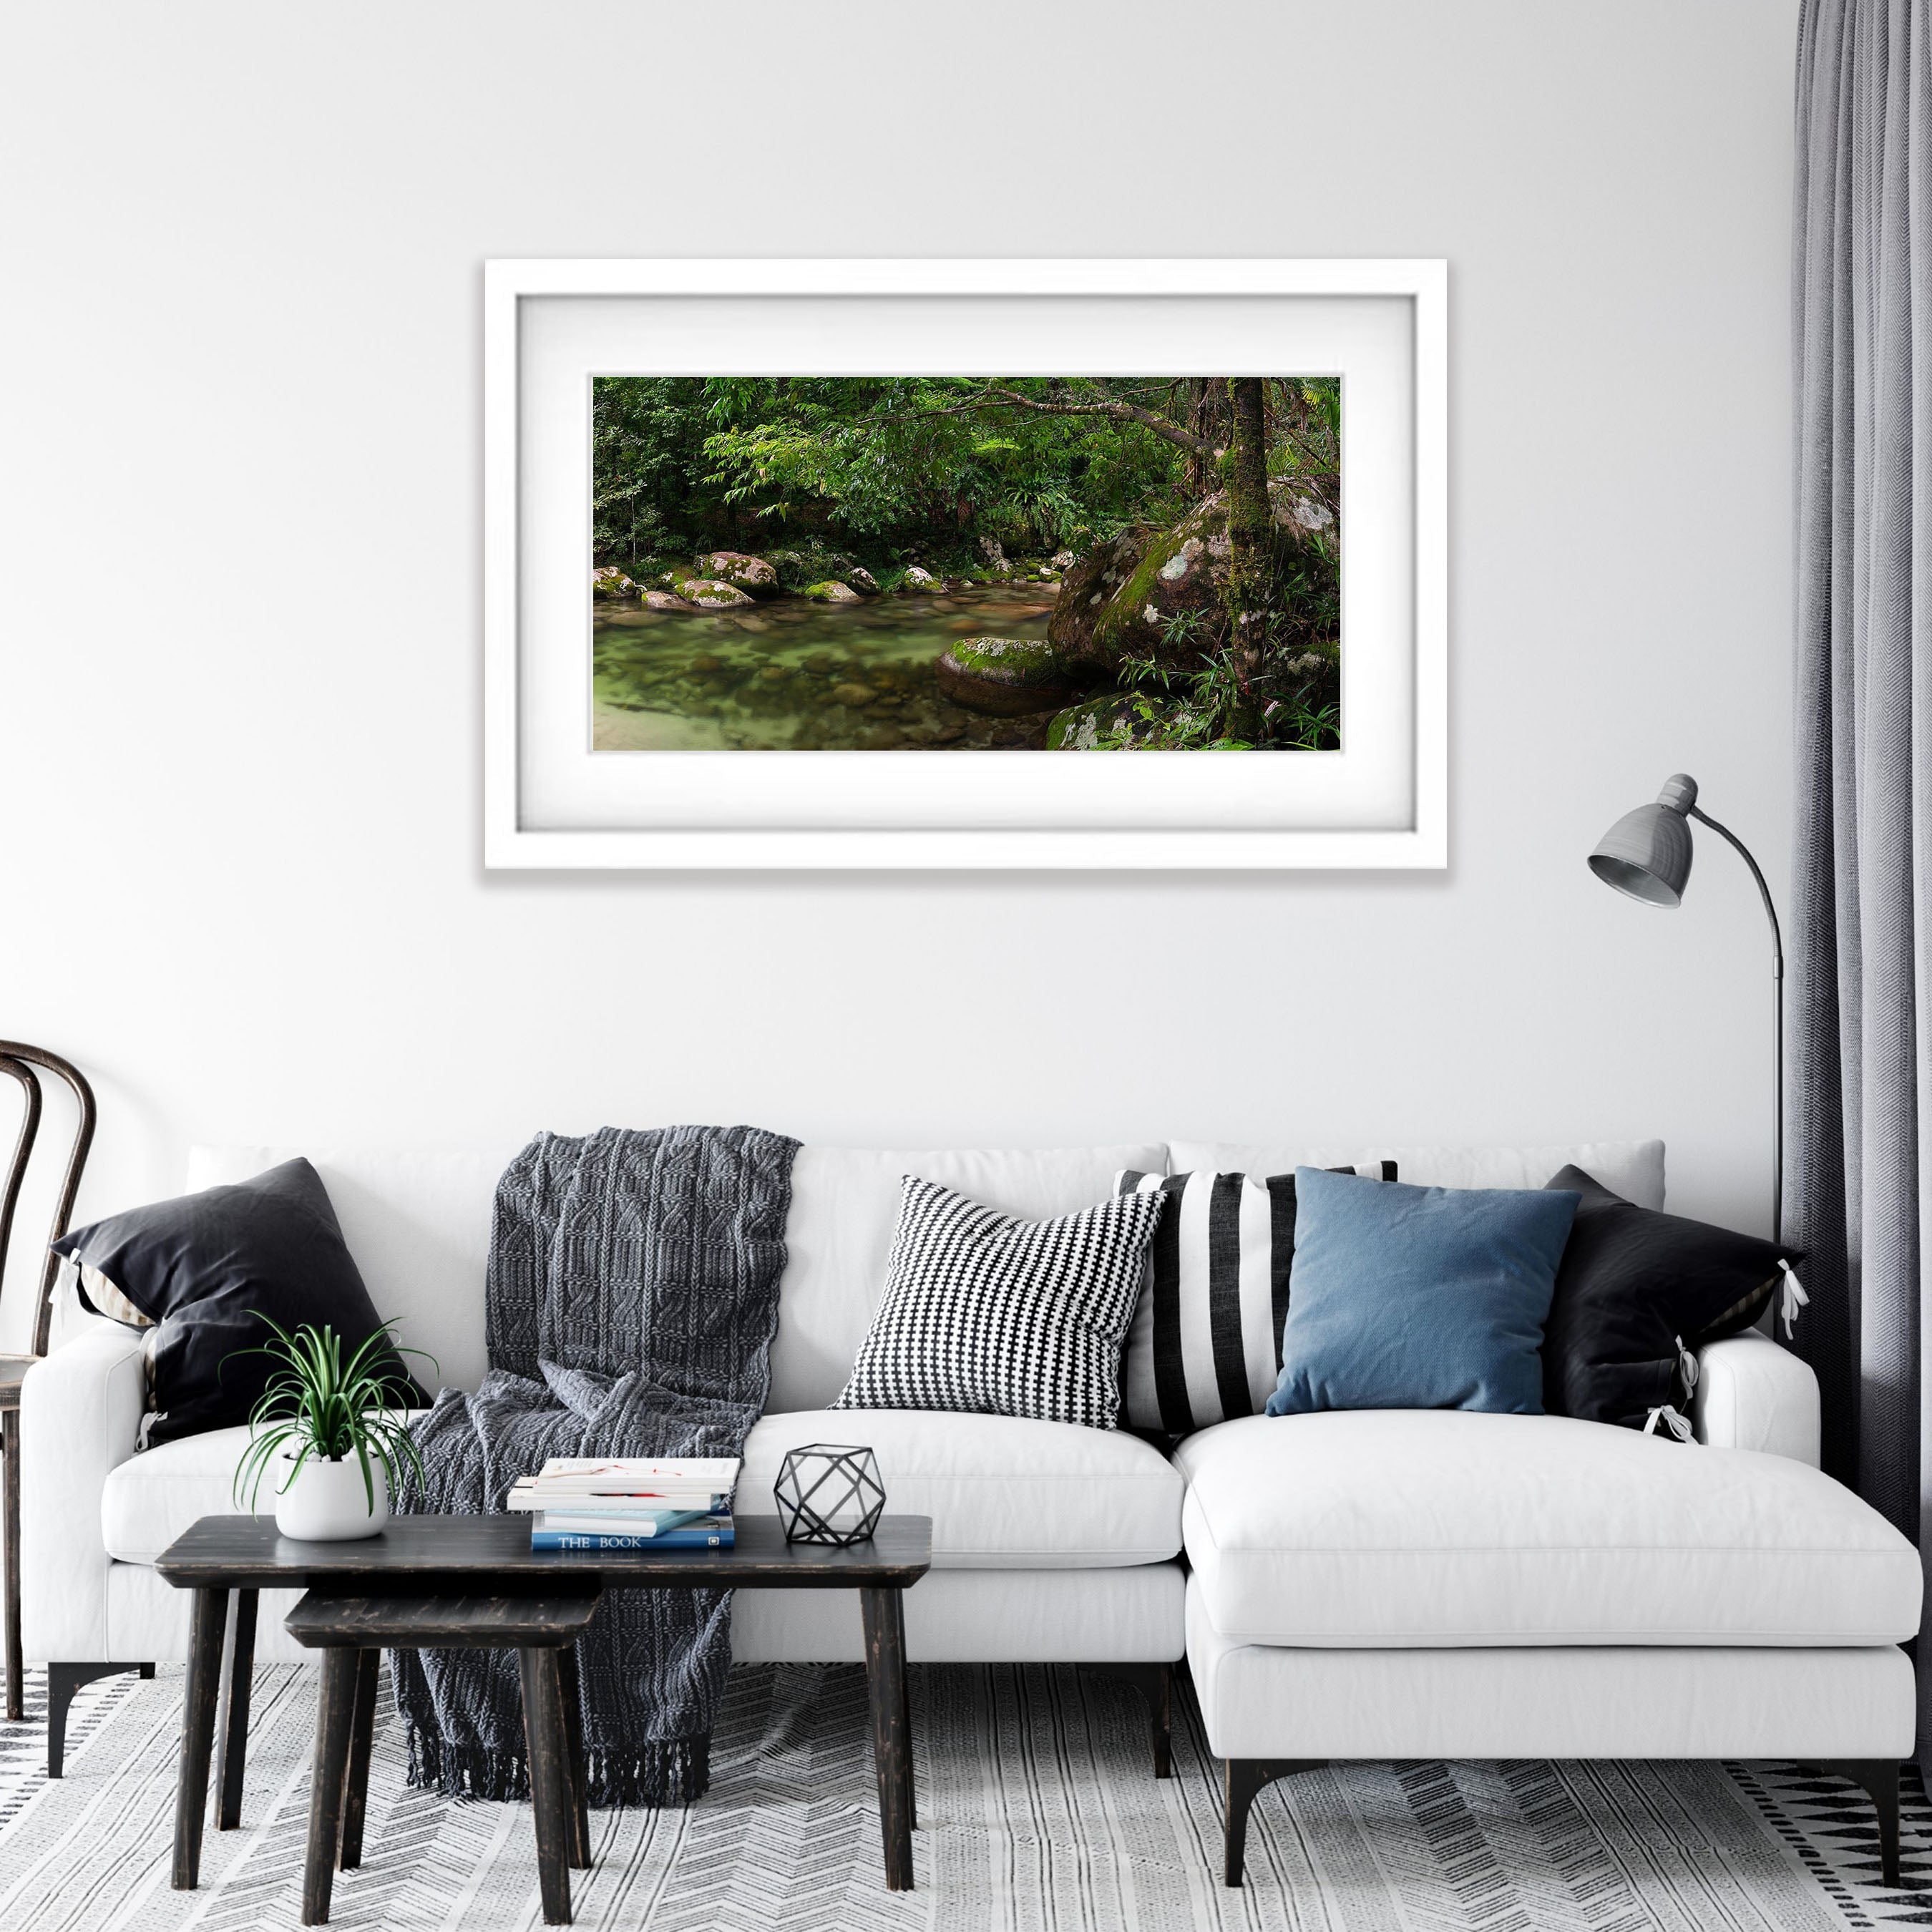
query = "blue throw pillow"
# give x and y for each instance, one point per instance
(1419, 1298)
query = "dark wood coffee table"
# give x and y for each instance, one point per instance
(424, 1556)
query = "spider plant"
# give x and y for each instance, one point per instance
(318, 1407)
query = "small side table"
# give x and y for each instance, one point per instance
(352, 1631)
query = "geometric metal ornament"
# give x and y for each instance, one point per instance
(830, 1493)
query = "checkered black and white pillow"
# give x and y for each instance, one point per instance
(987, 1313)
(1205, 1342)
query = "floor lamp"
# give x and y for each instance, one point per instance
(1647, 854)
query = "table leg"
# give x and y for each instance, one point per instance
(238, 1683)
(361, 1738)
(572, 1694)
(10, 1444)
(550, 1781)
(882, 1610)
(206, 1630)
(334, 1719)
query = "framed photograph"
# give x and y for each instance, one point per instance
(965, 564)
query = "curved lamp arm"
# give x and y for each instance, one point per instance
(1646, 855)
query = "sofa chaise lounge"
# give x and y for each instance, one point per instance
(1377, 1584)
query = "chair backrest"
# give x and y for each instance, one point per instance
(18, 1060)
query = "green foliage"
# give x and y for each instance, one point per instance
(322, 1408)
(892, 463)
(1194, 710)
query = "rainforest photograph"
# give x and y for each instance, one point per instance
(966, 563)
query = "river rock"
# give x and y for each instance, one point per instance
(610, 581)
(917, 579)
(1006, 677)
(751, 575)
(991, 549)
(708, 593)
(1063, 560)
(1079, 727)
(663, 600)
(829, 592)
(820, 663)
(861, 580)
(853, 694)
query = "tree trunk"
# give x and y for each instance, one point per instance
(1250, 572)
(1208, 417)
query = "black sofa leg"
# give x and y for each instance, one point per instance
(63, 1680)
(1878, 1778)
(1243, 1779)
(1155, 1682)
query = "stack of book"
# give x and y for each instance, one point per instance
(625, 1502)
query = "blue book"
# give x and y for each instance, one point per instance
(722, 1537)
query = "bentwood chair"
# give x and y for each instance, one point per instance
(18, 1061)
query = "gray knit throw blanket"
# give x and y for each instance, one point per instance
(633, 1295)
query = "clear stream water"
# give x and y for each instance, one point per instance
(789, 675)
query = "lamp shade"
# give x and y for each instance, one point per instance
(1647, 852)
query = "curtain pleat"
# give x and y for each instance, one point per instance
(1857, 1194)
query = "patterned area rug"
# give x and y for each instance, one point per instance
(1037, 1813)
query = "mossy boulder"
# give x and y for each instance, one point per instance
(1079, 727)
(861, 580)
(709, 593)
(665, 600)
(830, 592)
(1123, 598)
(751, 575)
(610, 581)
(917, 579)
(1085, 587)
(1007, 677)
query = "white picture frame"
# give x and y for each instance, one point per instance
(1381, 802)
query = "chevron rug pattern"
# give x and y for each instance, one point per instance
(1037, 1813)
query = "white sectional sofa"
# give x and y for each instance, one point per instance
(1372, 1584)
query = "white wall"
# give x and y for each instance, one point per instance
(239, 557)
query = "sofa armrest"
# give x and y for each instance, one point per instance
(80, 1414)
(1752, 1394)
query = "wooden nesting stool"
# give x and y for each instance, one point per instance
(351, 1630)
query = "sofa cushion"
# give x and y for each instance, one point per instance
(987, 1313)
(152, 1498)
(1003, 1493)
(1633, 1168)
(220, 1271)
(1392, 1527)
(1205, 1343)
(1639, 1293)
(1419, 1298)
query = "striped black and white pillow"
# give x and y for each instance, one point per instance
(991, 1314)
(1205, 1342)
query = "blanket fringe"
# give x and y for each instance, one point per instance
(675, 1772)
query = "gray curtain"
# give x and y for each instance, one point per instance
(1862, 1080)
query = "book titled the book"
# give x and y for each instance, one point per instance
(720, 1537)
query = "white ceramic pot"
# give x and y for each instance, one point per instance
(326, 1502)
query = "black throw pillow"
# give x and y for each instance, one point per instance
(203, 1266)
(1634, 1285)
